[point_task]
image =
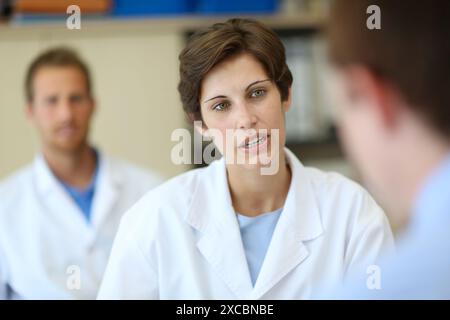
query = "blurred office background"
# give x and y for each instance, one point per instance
(132, 48)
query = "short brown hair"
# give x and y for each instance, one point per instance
(55, 57)
(411, 50)
(210, 46)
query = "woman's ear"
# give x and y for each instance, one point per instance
(286, 104)
(201, 128)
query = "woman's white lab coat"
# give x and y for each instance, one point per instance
(182, 239)
(47, 248)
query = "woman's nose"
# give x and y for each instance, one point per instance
(245, 119)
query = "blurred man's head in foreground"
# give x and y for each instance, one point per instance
(392, 89)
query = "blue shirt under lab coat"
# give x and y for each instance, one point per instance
(83, 197)
(256, 233)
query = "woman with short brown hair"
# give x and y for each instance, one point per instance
(255, 224)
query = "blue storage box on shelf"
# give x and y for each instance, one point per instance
(152, 7)
(236, 6)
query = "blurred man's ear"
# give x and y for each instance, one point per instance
(29, 112)
(366, 89)
(94, 105)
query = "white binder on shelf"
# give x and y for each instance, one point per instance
(303, 121)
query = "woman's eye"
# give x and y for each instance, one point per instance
(220, 106)
(258, 93)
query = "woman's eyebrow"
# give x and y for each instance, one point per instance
(258, 81)
(216, 97)
(251, 84)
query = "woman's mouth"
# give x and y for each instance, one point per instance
(254, 143)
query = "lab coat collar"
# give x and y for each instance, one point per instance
(211, 212)
(106, 189)
(107, 192)
(45, 179)
(299, 223)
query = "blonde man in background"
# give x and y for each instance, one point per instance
(59, 215)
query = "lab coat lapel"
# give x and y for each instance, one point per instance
(55, 200)
(220, 243)
(107, 191)
(299, 222)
